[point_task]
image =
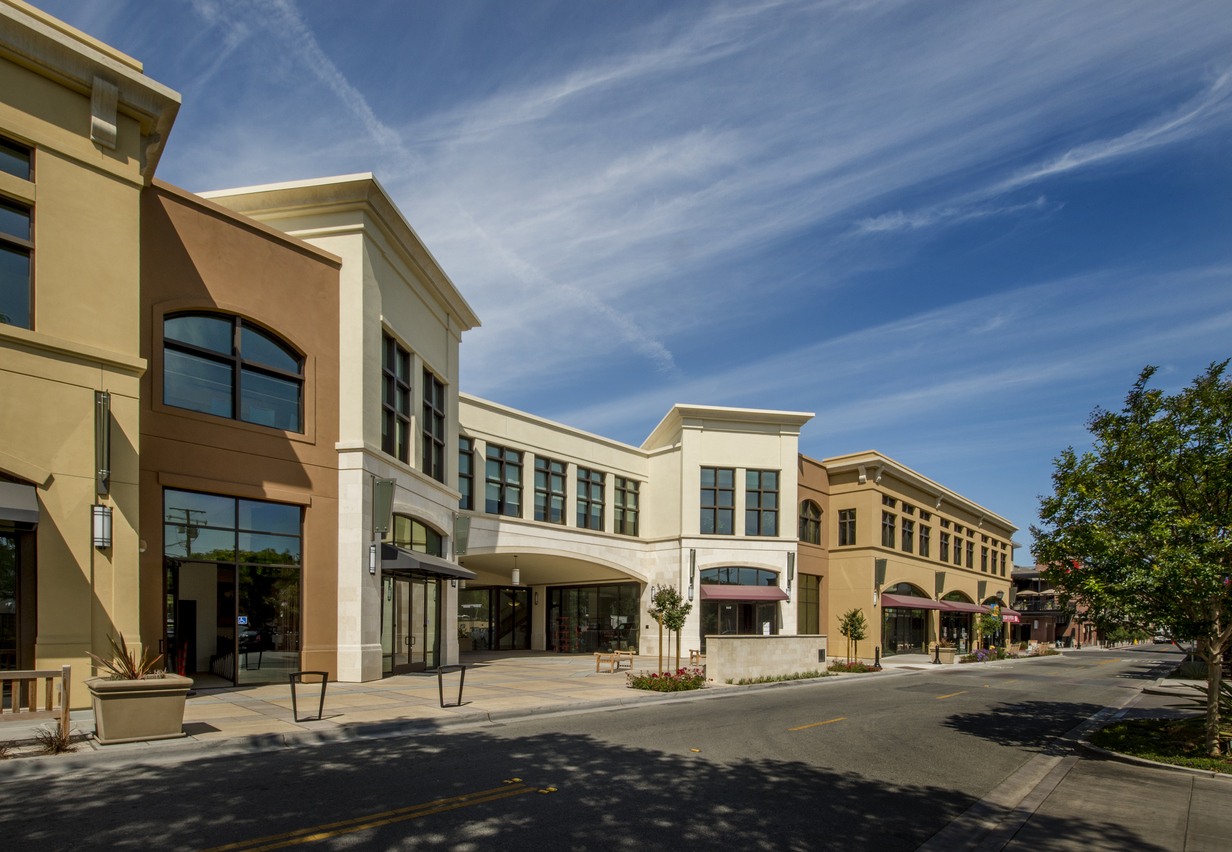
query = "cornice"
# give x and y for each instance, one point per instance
(679, 415)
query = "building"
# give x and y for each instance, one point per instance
(81, 133)
(918, 559)
(1043, 616)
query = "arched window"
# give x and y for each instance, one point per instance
(810, 522)
(416, 535)
(904, 590)
(222, 365)
(739, 577)
(957, 597)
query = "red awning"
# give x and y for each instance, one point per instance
(742, 593)
(909, 602)
(961, 606)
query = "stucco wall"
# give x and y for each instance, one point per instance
(736, 657)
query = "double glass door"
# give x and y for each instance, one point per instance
(410, 633)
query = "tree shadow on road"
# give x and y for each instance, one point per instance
(1023, 724)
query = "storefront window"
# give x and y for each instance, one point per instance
(585, 619)
(903, 629)
(495, 619)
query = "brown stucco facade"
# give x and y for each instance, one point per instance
(814, 485)
(197, 256)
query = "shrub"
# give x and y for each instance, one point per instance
(778, 678)
(54, 740)
(680, 680)
(7, 747)
(854, 667)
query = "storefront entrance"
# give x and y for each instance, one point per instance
(585, 619)
(956, 629)
(410, 623)
(494, 619)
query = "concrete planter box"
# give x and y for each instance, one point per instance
(947, 655)
(127, 711)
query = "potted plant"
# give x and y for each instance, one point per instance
(946, 651)
(135, 701)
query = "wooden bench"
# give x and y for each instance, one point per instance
(614, 659)
(21, 687)
(695, 657)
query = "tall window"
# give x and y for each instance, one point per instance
(808, 606)
(589, 499)
(945, 547)
(970, 555)
(396, 400)
(549, 490)
(846, 527)
(810, 522)
(222, 365)
(433, 427)
(718, 500)
(16, 242)
(925, 540)
(957, 550)
(504, 482)
(1002, 564)
(887, 529)
(983, 558)
(887, 500)
(627, 506)
(908, 535)
(466, 473)
(761, 502)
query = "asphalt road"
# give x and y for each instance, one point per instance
(878, 763)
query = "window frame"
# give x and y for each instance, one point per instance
(434, 426)
(907, 536)
(548, 492)
(237, 365)
(810, 525)
(586, 505)
(971, 554)
(393, 421)
(22, 247)
(716, 507)
(621, 512)
(926, 534)
(943, 547)
(889, 529)
(984, 559)
(466, 473)
(760, 511)
(505, 464)
(846, 527)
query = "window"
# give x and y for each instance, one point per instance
(925, 516)
(908, 535)
(944, 554)
(957, 550)
(925, 535)
(718, 500)
(908, 510)
(466, 473)
(222, 365)
(589, 499)
(808, 606)
(549, 490)
(846, 527)
(957, 529)
(970, 555)
(414, 535)
(810, 522)
(16, 242)
(761, 502)
(213, 528)
(984, 559)
(887, 529)
(945, 524)
(503, 495)
(886, 500)
(396, 400)
(738, 577)
(627, 507)
(1002, 564)
(433, 427)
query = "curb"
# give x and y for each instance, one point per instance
(1084, 745)
(179, 750)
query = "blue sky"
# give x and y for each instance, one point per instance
(949, 229)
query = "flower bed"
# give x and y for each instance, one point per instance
(680, 680)
(984, 655)
(854, 667)
(778, 678)
(1181, 742)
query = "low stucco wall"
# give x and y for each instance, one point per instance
(736, 657)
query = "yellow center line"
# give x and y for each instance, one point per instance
(348, 826)
(952, 694)
(1106, 662)
(815, 724)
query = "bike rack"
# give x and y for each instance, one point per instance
(441, 671)
(298, 677)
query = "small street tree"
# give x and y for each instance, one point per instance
(853, 627)
(671, 611)
(989, 627)
(1138, 529)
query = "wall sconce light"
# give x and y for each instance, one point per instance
(791, 570)
(102, 525)
(453, 582)
(536, 597)
(462, 584)
(517, 575)
(141, 546)
(372, 558)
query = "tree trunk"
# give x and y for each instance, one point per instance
(660, 620)
(677, 650)
(1214, 679)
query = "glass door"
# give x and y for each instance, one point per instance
(417, 624)
(396, 627)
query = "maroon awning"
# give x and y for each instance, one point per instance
(909, 602)
(742, 593)
(960, 606)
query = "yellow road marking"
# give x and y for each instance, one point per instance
(1106, 662)
(348, 826)
(952, 694)
(815, 724)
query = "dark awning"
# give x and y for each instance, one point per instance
(961, 606)
(909, 602)
(715, 592)
(401, 559)
(18, 503)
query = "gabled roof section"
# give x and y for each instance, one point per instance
(350, 192)
(872, 465)
(35, 40)
(666, 433)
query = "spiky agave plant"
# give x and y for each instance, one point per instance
(125, 664)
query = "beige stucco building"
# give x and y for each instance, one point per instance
(81, 132)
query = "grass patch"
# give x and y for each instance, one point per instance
(854, 667)
(1190, 670)
(1181, 742)
(779, 678)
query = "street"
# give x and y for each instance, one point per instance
(883, 762)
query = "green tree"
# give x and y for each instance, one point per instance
(671, 611)
(854, 629)
(1138, 528)
(989, 626)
